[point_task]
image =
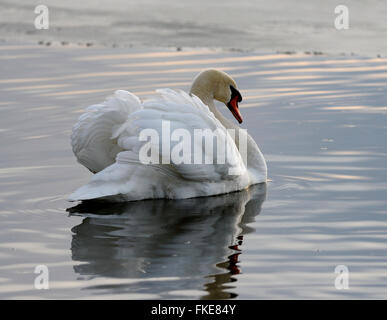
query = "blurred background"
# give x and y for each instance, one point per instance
(277, 25)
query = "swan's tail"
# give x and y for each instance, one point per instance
(110, 184)
(121, 182)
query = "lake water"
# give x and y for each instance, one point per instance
(320, 121)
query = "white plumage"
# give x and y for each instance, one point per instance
(106, 141)
(91, 140)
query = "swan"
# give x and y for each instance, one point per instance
(108, 139)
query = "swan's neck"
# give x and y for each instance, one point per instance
(222, 119)
(208, 99)
(255, 161)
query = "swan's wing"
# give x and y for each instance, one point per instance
(181, 112)
(91, 139)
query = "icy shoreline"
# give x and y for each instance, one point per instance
(283, 26)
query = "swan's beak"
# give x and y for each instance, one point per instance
(232, 105)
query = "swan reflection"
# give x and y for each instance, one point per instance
(169, 245)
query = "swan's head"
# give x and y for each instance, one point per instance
(214, 84)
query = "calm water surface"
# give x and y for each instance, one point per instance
(321, 122)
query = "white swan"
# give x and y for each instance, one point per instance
(106, 141)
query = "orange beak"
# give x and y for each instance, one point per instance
(233, 104)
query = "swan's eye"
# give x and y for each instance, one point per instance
(235, 93)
